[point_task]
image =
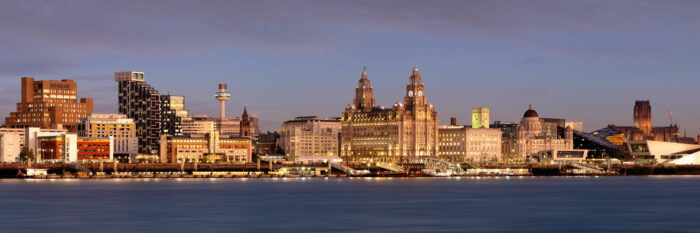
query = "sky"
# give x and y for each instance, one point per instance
(578, 60)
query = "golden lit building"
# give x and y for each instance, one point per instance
(208, 148)
(374, 133)
(48, 104)
(480, 117)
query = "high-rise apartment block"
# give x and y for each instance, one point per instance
(310, 135)
(49, 104)
(141, 102)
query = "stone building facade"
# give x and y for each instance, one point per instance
(530, 138)
(310, 135)
(374, 133)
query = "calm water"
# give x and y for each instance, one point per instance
(549, 204)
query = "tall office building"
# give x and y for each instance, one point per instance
(373, 133)
(141, 102)
(48, 104)
(480, 117)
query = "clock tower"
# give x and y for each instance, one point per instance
(415, 92)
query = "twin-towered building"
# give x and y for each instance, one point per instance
(375, 133)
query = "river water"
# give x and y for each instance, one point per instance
(531, 204)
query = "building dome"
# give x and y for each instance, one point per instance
(530, 113)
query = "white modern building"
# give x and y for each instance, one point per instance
(665, 152)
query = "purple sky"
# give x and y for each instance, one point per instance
(579, 60)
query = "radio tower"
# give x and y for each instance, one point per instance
(222, 96)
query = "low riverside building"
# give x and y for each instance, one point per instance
(118, 126)
(205, 148)
(466, 144)
(310, 135)
(665, 152)
(71, 148)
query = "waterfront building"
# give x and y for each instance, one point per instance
(10, 146)
(508, 130)
(642, 128)
(173, 113)
(118, 126)
(198, 124)
(530, 140)
(462, 144)
(575, 125)
(650, 151)
(480, 117)
(71, 148)
(598, 145)
(310, 135)
(267, 143)
(207, 148)
(49, 104)
(553, 127)
(141, 102)
(374, 133)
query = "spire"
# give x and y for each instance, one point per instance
(245, 110)
(364, 73)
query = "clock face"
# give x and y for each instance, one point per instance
(410, 93)
(420, 93)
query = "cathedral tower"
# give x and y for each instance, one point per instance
(642, 116)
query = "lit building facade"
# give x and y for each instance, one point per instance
(473, 145)
(118, 126)
(530, 140)
(310, 135)
(10, 147)
(49, 104)
(373, 133)
(71, 148)
(480, 117)
(197, 124)
(208, 148)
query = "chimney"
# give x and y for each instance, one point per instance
(453, 121)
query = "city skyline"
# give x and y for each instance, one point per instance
(284, 64)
